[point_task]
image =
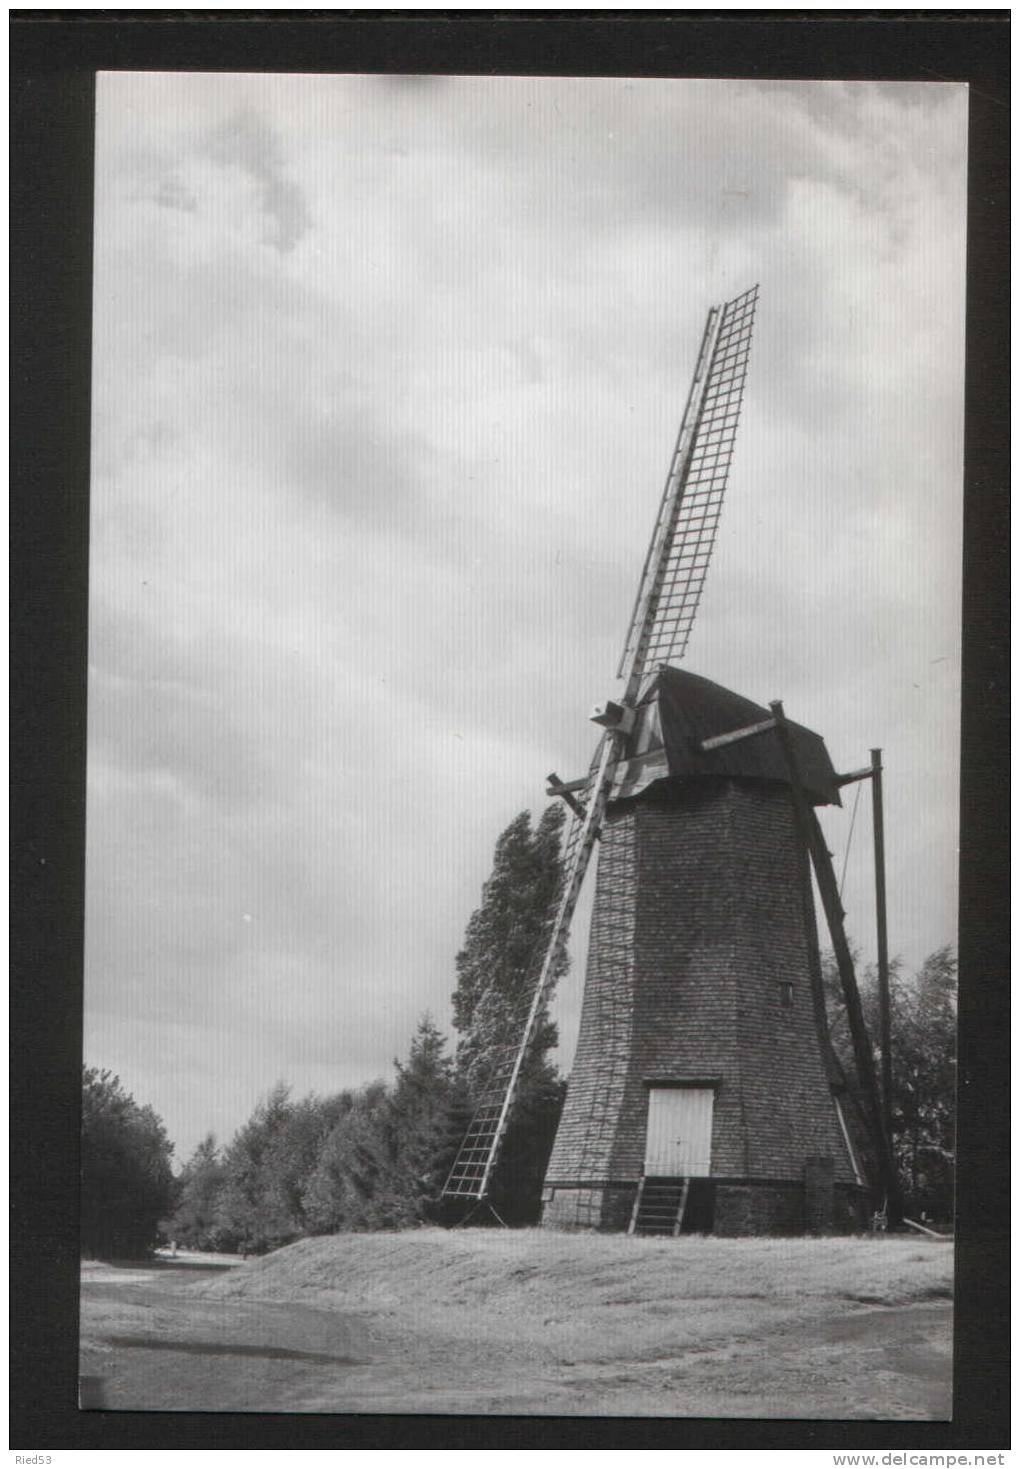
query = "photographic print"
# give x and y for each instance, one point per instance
(523, 746)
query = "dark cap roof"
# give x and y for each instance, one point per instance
(688, 709)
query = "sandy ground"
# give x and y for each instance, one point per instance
(530, 1322)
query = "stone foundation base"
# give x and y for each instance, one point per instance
(759, 1208)
(602, 1206)
(727, 1207)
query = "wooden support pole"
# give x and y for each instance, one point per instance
(632, 1226)
(828, 890)
(884, 1007)
(923, 1229)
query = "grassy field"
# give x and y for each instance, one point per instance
(528, 1321)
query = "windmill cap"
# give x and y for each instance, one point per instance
(687, 710)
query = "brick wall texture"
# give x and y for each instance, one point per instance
(699, 937)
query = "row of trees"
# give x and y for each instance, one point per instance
(376, 1156)
(923, 1025)
(365, 1158)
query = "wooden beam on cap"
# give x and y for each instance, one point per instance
(848, 780)
(732, 736)
(557, 787)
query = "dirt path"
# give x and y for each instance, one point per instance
(157, 1340)
(891, 1362)
(152, 1344)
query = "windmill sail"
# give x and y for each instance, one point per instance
(667, 600)
(681, 546)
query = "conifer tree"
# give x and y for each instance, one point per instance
(196, 1219)
(384, 1163)
(339, 1191)
(247, 1213)
(423, 1124)
(267, 1167)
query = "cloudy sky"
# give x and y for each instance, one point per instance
(387, 374)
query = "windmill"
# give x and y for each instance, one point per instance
(704, 1093)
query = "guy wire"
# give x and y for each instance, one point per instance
(849, 838)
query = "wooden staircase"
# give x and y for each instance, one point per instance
(659, 1206)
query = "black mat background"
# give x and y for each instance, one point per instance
(54, 56)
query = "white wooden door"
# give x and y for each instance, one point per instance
(679, 1132)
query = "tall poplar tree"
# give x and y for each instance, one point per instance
(505, 938)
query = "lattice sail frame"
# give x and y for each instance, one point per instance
(681, 547)
(667, 600)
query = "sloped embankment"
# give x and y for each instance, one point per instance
(525, 1284)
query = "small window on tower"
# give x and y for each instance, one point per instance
(786, 994)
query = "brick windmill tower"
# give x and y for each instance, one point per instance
(705, 1094)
